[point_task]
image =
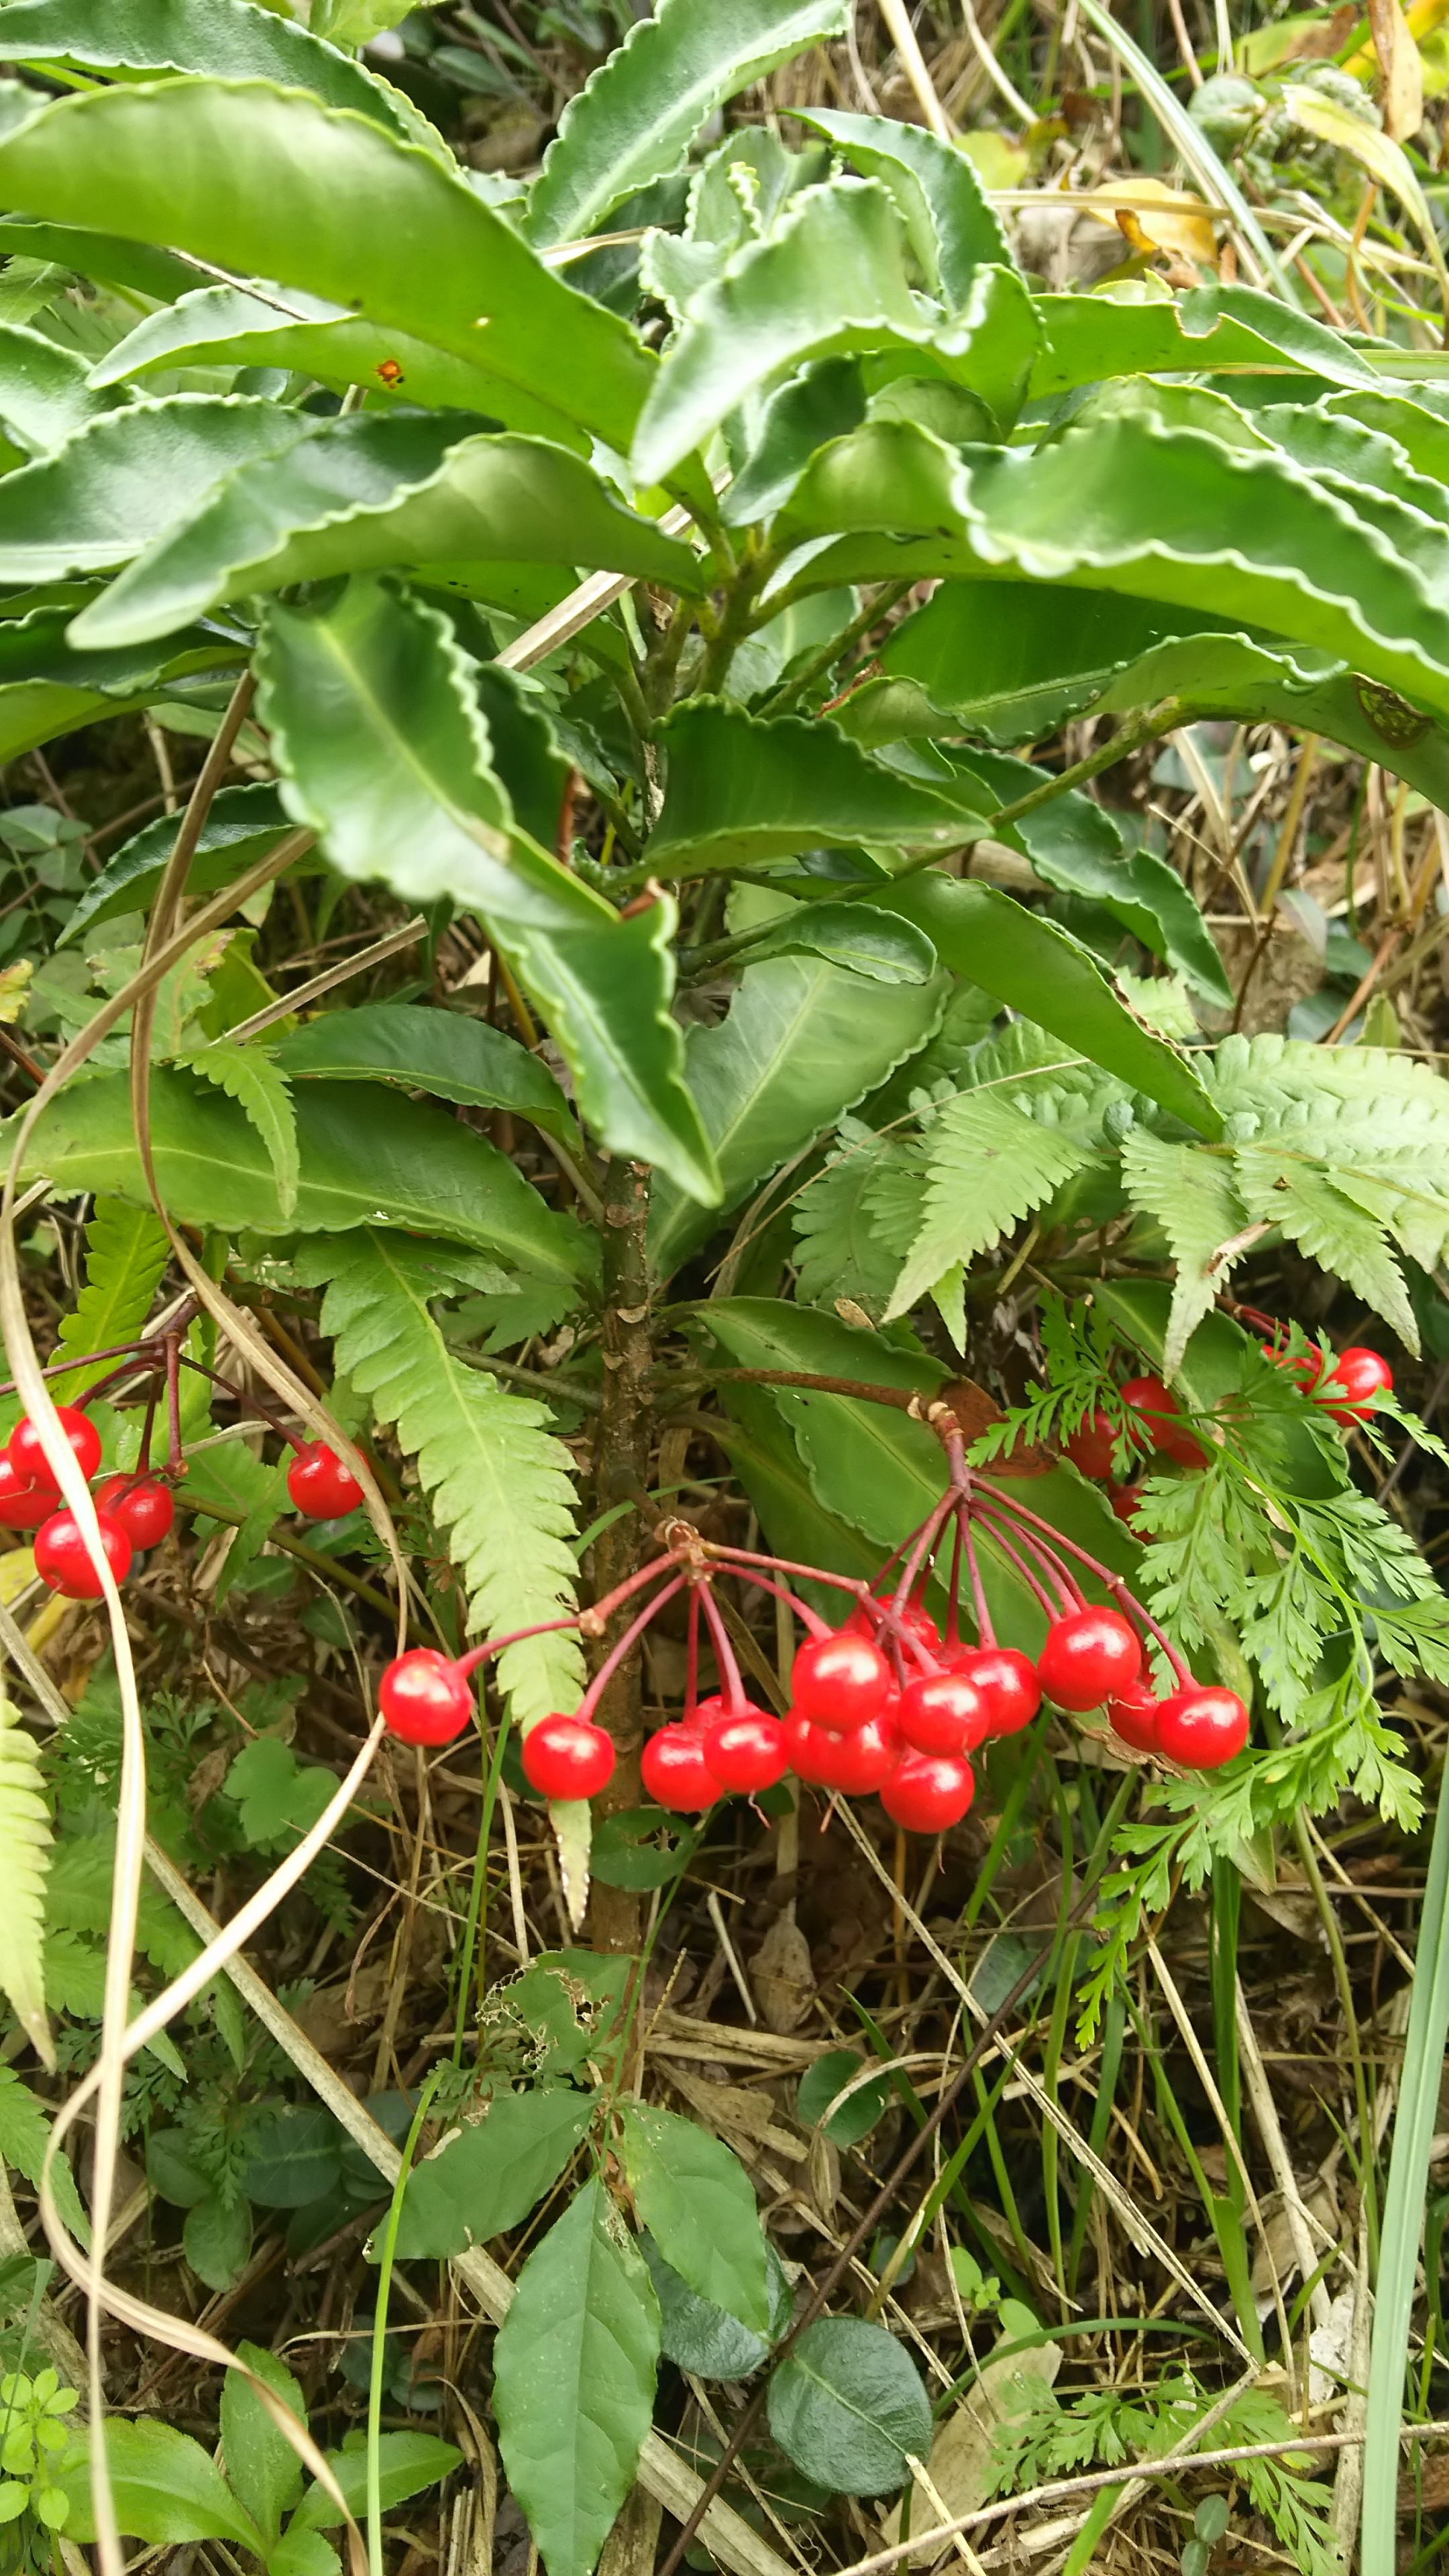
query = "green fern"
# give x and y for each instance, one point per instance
(498, 1479)
(24, 2137)
(262, 1092)
(25, 1847)
(987, 1166)
(1192, 1196)
(1307, 1205)
(839, 1251)
(126, 1252)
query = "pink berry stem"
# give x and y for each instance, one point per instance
(615, 1657)
(953, 1589)
(813, 1626)
(985, 1627)
(1045, 1556)
(1049, 1603)
(691, 1657)
(175, 1462)
(1126, 1601)
(919, 1549)
(476, 1655)
(724, 1653)
(817, 1627)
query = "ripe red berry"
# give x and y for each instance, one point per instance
(29, 1459)
(747, 1751)
(861, 1762)
(842, 1680)
(1355, 1378)
(63, 1560)
(424, 1697)
(926, 1792)
(145, 1508)
(1126, 1501)
(1158, 1409)
(1089, 1656)
(1134, 1712)
(914, 1620)
(674, 1771)
(1306, 1366)
(22, 1506)
(810, 1748)
(941, 1713)
(1090, 1447)
(1202, 1728)
(1007, 1682)
(566, 1757)
(320, 1486)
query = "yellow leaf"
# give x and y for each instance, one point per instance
(1154, 217)
(1400, 70)
(14, 984)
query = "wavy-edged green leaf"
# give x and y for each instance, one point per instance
(986, 1167)
(25, 1841)
(853, 935)
(698, 2203)
(1195, 1199)
(250, 1076)
(271, 184)
(794, 1051)
(243, 824)
(488, 2175)
(951, 223)
(103, 256)
(445, 1052)
(127, 1249)
(129, 474)
(573, 2392)
(831, 278)
(498, 1480)
(230, 39)
(367, 1157)
(165, 2488)
(384, 748)
(226, 326)
(742, 789)
(45, 390)
(1142, 329)
(636, 116)
(1123, 502)
(47, 688)
(365, 493)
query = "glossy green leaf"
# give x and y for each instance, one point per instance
(128, 475)
(366, 1157)
(46, 688)
(445, 1052)
(703, 2338)
(573, 2390)
(636, 116)
(230, 39)
(1037, 968)
(852, 935)
(261, 2464)
(384, 749)
(698, 2203)
(742, 789)
(952, 225)
(489, 2175)
(103, 256)
(408, 2464)
(847, 2406)
(366, 493)
(166, 2488)
(822, 2084)
(1219, 330)
(243, 824)
(272, 184)
(292, 2157)
(45, 392)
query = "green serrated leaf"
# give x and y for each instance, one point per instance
(127, 1250)
(1193, 1197)
(243, 824)
(444, 1052)
(127, 476)
(250, 1076)
(742, 790)
(1324, 1221)
(45, 390)
(25, 1840)
(261, 2465)
(226, 38)
(166, 2489)
(986, 1167)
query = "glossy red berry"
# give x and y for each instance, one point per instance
(29, 1459)
(1350, 1386)
(1126, 1502)
(1160, 1414)
(914, 1620)
(1091, 1446)
(145, 1508)
(926, 1792)
(1134, 1712)
(320, 1486)
(941, 1713)
(1008, 1684)
(63, 1560)
(424, 1697)
(842, 1680)
(22, 1506)
(674, 1771)
(810, 1748)
(566, 1757)
(1089, 1656)
(1202, 1728)
(747, 1751)
(861, 1762)
(1306, 1366)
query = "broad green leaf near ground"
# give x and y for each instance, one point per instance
(698, 2203)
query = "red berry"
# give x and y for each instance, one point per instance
(1089, 1656)
(22, 1506)
(29, 1459)
(674, 1771)
(145, 1509)
(1355, 1378)
(861, 1762)
(926, 1792)
(1306, 1366)
(1091, 1446)
(1201, 1728)
(810, 1748)
(424, 1697)
(941, 1713)
(566, 1757)
(1158, 1408)
(320, 1486)
(914, 1620)
(1125, 1501)
(1134, 1712)
(842, 1680)
(1006, 1680)
(747, 1751)
(63, 1560)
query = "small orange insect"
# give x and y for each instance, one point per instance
(390, 372)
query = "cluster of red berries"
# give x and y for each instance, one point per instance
(134, 1511)
(1346, 1388)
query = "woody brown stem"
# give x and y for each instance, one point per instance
(621, 1468)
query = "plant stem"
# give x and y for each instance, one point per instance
(1344, 1989)
(621, 1466)
(379, 2333)
(838, 646)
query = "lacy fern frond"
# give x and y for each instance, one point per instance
(987, 1166)
(497, 1477)
(248, 1075)
(1193, 1197)
(25, 1843)
(126, 1252)
(839, 1252)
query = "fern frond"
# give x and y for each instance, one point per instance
(248, 1075)
(24, 2137)
(126, 1252)
(498, 1479)
(1313, 1212)
(1192, 1195)
(25, 1857)
(987, 1166)
(838, 1251)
